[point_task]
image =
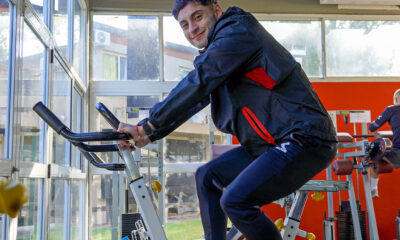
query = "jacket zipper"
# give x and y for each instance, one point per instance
(257, 126)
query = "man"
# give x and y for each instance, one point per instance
(392, 155)
(258, 93)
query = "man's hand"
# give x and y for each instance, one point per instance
(377, 135)
(137, 133)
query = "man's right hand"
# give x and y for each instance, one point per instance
(137, 133)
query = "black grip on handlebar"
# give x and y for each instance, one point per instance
(107, 114)
(49, 117)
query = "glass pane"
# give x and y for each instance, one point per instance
(79, 27)
(28, 220)
(101, 207)
(76, 157)
(181, 205)
(363, 48)
(191, 141)
(178, 53)
(110, 67)
(57, 210)
(60, 26)
(31, 93)
(38, 6)
(129, 109)
(2, 216)
(134, 38)
(60, 102)
(77, 209)
(4, 51)
(302, 39)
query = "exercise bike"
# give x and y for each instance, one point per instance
(152, 228)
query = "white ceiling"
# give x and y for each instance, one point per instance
(362, 2)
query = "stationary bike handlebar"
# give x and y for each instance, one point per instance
(77, 139)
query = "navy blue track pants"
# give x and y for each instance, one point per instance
(235, 184)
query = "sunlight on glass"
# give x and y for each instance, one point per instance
(61, 25)
(125, 48)
(302, 39)
(30, 93)
(28, 219)
(60, 104)
(4, 65)
(178, 53)
(363, 48)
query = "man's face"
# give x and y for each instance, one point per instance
(196, 21)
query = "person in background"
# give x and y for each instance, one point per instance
(258, 93)
(392, 155)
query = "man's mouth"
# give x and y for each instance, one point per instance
(198, 36)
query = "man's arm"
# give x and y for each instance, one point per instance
(225, 55)
(384, 117)
(158, 133)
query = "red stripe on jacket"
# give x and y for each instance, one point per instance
(257, 126)
(260, 76)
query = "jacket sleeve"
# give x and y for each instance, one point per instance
(160, 132)
(225, 55)
(384, 117)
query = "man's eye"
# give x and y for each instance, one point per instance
(198, 17)
(183, 26)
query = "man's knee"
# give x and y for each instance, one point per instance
(201, 173)
(229, 202)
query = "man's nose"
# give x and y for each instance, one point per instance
(193, 28)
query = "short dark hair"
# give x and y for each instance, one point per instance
(179, 4)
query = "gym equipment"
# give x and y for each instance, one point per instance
(152, 228)
(369, 155)
(398, 225)
(13, 196)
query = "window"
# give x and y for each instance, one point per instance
(60, 102)
(61, 25)
(29, 219)
(77, 209)
(77, 116)
(31, 93)
(133, 37)
(302, 39)
(39, 7)
(79, 37)
(363, 48)
(114, 67)
(4, 67)
(102, 198)
(178, 53)
(58, 209)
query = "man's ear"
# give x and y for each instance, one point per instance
(217, 9)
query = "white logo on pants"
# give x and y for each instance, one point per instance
(283, 147)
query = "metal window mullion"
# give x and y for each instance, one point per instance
(43, 211)
(84, 35)
(70, 45)
(4, 226)
(67, 209)
(82, 209)
(38, 27)
(161, 45)
(323, 42)
(16, 78)
(10, 83)
(118, 67)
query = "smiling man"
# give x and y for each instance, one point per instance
(260, 94)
